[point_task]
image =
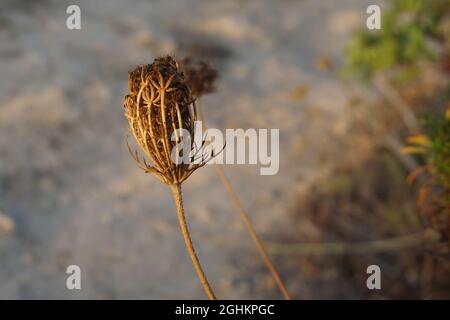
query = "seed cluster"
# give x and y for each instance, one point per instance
(158, 104)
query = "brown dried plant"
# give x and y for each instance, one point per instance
(158, 105)
(202, 79)
(200, 76)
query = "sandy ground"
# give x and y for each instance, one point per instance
(70, 192)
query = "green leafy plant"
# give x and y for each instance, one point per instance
(159, 103)
(409, 30)
(433, 197)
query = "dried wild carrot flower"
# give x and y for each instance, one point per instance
(158, 105)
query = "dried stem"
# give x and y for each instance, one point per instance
(247, 222)
(416, 240)
(176, 190)
(249, 226)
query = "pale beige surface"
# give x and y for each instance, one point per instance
(68, 184)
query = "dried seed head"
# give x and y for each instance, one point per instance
(160, 103)
(200, 76)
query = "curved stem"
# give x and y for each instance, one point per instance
(176, 190)
(247, 222)
(249, 226)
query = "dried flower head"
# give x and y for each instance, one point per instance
(200, 76)
(159, 104)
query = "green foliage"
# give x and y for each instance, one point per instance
(407, 30)
(433, 196)
(439, 154)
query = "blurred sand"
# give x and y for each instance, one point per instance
(68, 184)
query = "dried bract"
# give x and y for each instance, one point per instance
(200, 76)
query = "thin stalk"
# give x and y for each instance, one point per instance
(249, 226)
(395, 244)
(176, 190)
(248, 223)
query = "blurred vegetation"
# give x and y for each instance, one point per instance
(372, 200)
(414, 31)
(410, 31)
(433, 148)
(438, 156)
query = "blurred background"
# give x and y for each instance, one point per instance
(359, 112)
